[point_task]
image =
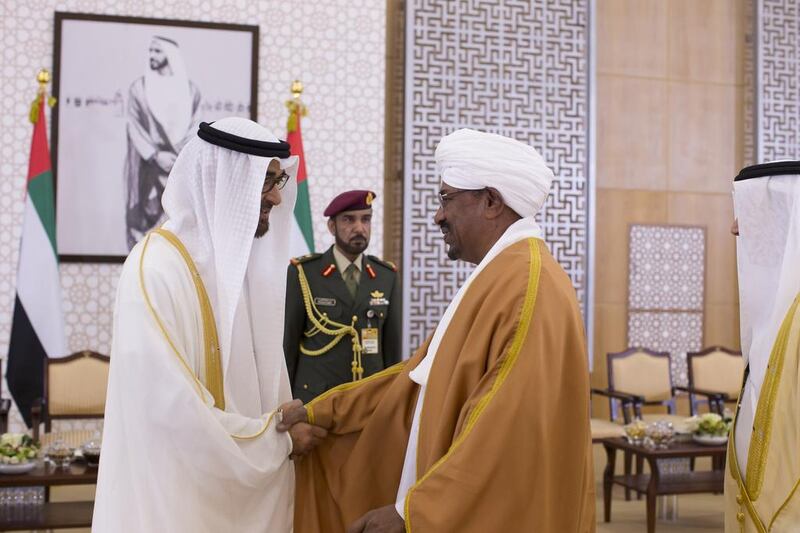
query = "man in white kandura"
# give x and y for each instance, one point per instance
(197, 366)
(763, 465)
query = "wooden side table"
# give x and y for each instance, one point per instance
(48, 515)
(655, 483)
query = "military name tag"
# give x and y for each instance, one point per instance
(369, 340)
(325, 302)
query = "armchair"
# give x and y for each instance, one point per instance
(74, 388)
(715, 373)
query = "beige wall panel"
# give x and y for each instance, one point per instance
(610, 326)
(722, 326)
(739, 116)
(706, 40)
(616, 210)
(669, 141)
(632, 37)
(702, 137)
(632, 128)
(715, 212)
(600, 408)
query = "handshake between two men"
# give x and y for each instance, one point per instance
(305, 436)
(470, 430)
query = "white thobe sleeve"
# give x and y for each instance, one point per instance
(409, 475)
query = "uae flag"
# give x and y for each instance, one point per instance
(37, 330)
(303, 231)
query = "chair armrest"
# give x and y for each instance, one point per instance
(628, 401)
(716, 400)
(622, 396)
(703, 392)
(36, 417)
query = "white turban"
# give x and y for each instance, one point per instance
(472, 160)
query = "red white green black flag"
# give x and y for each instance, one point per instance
(37, 330)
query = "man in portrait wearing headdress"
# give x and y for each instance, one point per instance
(161, 117)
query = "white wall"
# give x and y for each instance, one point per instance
(336, 47)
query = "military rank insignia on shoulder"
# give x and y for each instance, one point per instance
(387, 264)
(304, 258)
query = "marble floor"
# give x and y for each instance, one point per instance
(697, 513)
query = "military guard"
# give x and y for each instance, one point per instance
(343, 308)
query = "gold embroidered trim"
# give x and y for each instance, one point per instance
(160, 324)
(762, 425)
(796, 483)
(213, 362)
(257, 433)
(394, 369)
(505, 368)
(785, 503)
(212, 359)
(734, 467)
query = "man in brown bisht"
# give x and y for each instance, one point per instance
(486, 428)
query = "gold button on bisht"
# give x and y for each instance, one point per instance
(739, 499)
(740, 517)
(305, 386)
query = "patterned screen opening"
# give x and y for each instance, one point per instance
(517, 68)
(666, 280)
(778, 80)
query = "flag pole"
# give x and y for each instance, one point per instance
(43, 77)
(296, 107)
(303, 230)
(37, 326)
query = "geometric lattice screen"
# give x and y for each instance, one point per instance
(778, 80)
(666, 282)
(519, 68)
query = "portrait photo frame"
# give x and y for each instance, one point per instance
(130, 93)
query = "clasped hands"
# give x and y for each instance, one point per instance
(305, 436)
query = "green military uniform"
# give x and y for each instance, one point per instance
(374, 315)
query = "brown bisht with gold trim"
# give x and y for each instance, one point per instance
(504, 442)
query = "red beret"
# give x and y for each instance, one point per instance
(350, 201)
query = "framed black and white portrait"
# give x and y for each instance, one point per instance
(131, 93)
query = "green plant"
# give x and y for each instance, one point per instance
(709, 424)
(17, 448)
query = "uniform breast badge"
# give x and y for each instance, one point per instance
(377, 299)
